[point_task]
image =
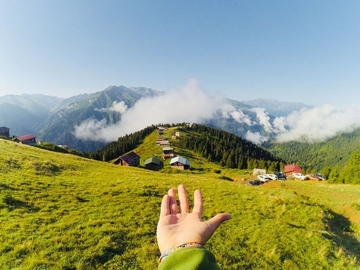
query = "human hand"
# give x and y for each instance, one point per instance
(178, 227)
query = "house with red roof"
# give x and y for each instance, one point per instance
(292, 168)
(29, 139)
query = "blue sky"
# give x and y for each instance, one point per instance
(305, 51)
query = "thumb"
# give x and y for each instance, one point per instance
(214, 223)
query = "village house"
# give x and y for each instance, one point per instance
(29, 139)
(164, 143)
(292, 168)
(180, 163)
(153, 163)
(129, 159)
(259, 171)
(176, 135)
(4, 132)
(168, 152)
(161, 130)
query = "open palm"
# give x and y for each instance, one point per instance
(178, 227)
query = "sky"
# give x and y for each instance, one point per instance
(299, 50)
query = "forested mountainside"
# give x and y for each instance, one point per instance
(227, 149)
(314, 157)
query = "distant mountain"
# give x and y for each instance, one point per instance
(26, 113)
(59, 128)
(19, 120)
(277, 108)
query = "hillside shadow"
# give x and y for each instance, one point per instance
(342, 233)
(223, 177)
(12, 203)
(6, 187)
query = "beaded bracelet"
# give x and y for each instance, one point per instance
(168, 251)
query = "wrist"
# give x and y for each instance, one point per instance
(185, 245)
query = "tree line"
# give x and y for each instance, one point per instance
(227, 149)
(123, 145)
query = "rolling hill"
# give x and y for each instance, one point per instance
(60, 211)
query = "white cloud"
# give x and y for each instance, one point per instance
(188, 104)
(191, 104)
(228, 111)
(255, 137)
(264, 118)
(317, 124)
(119, 107)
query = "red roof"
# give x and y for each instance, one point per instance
(26, 137)
(292, 168)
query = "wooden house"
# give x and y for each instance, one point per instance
(168, 152)
(292, 168)
(153, 163)
(129, 159)
(180, 163)
(4, 132)
(161, 130)
(164, 143)
(29, 139)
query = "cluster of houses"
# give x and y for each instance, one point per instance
(154, 163)
(288, 170)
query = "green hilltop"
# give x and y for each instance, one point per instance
(61, 211)
(204, 146)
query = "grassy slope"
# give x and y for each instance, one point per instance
(59, 211)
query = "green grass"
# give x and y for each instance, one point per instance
(59, 211)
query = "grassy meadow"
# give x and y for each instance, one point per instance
(60, 211)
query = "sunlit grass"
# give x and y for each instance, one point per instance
(59, 211)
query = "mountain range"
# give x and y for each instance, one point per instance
(88, 122)
(54, 119)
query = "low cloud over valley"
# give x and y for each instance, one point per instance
(192, 104)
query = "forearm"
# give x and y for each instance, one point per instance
(189, 258)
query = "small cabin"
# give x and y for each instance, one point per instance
(164, 143)
(153, 163)
(180, 163)
(129, 159)
(168, 152)
(4, 132)
(292, 168)
(29, 139)
(259, 171)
